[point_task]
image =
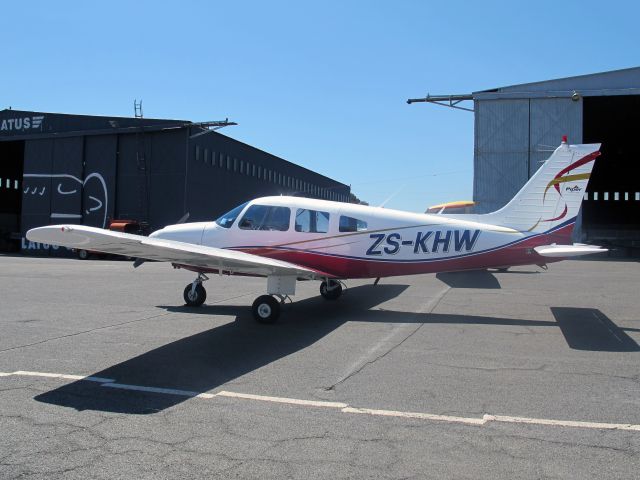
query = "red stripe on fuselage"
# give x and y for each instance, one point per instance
(520, 253)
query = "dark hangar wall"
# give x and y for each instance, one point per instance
(88, 170)
(223, 173)
(150, 177)
(91, 179)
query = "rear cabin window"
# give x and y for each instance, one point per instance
(265, 217)
(350, 224)
(312, 221)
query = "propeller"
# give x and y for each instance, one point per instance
(139, 261)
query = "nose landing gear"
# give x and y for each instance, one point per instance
(194, 293)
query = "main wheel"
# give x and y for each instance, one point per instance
(332, 294)
(83, 254)
(195, 298)
(266, 309)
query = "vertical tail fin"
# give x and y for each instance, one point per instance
(553, 195)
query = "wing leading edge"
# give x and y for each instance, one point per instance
(107, 241)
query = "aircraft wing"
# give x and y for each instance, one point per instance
(107, 241)
(565, 251)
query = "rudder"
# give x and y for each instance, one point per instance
(553, 195)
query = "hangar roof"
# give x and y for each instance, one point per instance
(19, 124)
(615, 82)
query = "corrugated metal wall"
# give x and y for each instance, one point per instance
(550, 119)
(99, 185)
(223, 173)
(512, 139)
(501, 151)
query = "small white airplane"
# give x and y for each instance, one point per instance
(287, 239)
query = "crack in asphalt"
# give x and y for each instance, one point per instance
(541, 368)
(563, 443)
(431, 306)
(195, 452)
(26, 345)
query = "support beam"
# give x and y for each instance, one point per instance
(451, 101)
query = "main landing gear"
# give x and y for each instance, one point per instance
(266, 308)
(330, 289)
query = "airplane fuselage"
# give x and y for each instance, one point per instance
(356, 241)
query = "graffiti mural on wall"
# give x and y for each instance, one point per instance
(66, 194)
(27, 245)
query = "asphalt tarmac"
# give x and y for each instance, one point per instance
(524, 374)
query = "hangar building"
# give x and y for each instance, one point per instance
(516, 128)
(59, 168)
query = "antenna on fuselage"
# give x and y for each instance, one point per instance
(392, 195)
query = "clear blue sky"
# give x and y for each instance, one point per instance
(322, 84)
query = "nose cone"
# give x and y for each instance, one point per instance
(185, 232)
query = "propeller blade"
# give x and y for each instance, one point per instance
(140, 261)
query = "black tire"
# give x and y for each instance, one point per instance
(197, 298)
(332, 294)
(83, 254)
(265, 309)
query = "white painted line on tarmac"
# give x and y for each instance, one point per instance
(166, 391)
(290, 401)
(562, 423)
(343, 407)
(422, 416)
(61, 375)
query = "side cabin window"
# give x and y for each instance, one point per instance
(350, 224)
(312, 221)
(265, 217)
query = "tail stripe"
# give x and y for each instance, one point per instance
(537, 205)
(559, 217)
(569, 178)
(557, 180)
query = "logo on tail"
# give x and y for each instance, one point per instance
(561, 177)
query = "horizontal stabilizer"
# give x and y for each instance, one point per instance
(564, 251)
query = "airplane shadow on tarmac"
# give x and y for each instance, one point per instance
(202, 362)
(482, 279)
(473, 279)
(590, 329)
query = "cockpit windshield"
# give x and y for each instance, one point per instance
(226, 220)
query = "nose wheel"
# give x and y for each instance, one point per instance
(194, 293)
(266, 309)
